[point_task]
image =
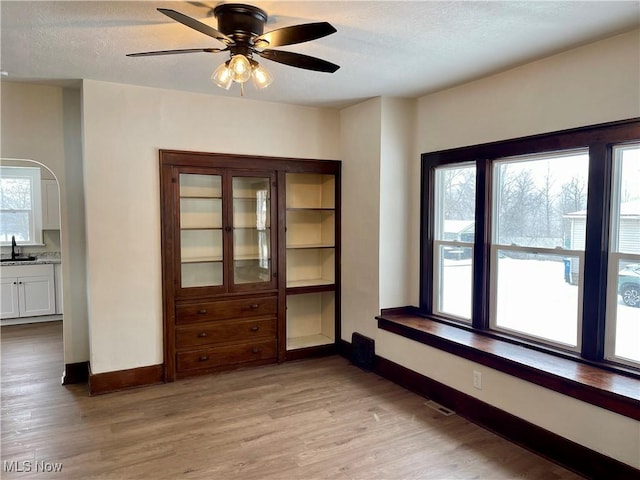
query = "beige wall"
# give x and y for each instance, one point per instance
(36, 121)
(398, 238)
(124, 127)
(360, 128)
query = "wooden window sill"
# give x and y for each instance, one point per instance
(597, 386)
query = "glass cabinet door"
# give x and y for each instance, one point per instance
(251, 211)
(201, 230)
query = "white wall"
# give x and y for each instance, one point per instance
(360, 128)
(592, 84)
(399, 236)
(124, 127)
(41, 123)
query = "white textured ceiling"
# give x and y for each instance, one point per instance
(394, 48)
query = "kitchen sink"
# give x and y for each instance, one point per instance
(18, 259)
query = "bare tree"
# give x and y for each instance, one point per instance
(573, 196)
(459, 187)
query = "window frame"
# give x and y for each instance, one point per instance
(615, 256)
(437, 243)
(599, 140)
(34, 174)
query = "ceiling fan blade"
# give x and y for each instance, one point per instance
(298, 60)
(295, 34)
(196, 25)
(173, 52)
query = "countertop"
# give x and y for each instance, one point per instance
(41, 259)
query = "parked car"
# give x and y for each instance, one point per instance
(629, 284)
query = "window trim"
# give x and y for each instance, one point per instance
(35, 176)
(599, 140)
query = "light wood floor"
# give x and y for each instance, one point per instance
(320, 418)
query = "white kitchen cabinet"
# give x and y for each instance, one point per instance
(50, 205)
(27, 291)
(57, 273)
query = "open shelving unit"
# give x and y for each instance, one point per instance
(311, 260)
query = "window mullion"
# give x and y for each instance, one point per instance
(596, 248)
(481, 270)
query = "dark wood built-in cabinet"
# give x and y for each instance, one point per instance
(251, 260)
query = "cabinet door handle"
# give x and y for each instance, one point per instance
(255, 350)
(203, 358)
(255, 328)
(202, 312)
(254, 306)
(202, 334)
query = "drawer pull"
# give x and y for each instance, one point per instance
(202, 334)
(202, 312)
(203, 358)
(254, 306)
(255, 350)
(255, 328)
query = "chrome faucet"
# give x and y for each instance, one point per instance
(13, 247)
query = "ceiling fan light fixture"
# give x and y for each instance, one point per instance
(261, 77)
(240, 68)
(222, 76)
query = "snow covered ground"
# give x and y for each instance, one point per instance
(535, 300)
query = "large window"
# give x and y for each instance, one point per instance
(532, 246)
(537, 241)
(20, 205)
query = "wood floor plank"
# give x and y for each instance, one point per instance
(310, 419)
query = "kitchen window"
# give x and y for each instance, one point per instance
(529, 241)
(20, 205)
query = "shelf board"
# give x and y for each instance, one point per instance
(200, 228)
(309, 245)
(296, 343)
(313, 282)
(311, 209)
(201, 260)
(214, 197)
(240, 258)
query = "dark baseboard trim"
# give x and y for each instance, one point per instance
(75, 373)
(107, 382)
(556, 448)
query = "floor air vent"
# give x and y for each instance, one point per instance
(439, 408)
(362, 351)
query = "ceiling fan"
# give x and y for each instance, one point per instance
(241, 30)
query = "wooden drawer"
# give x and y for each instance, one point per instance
(226, 309)
(227, 355)
(225, 331)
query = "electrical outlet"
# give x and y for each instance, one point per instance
(477, 380)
